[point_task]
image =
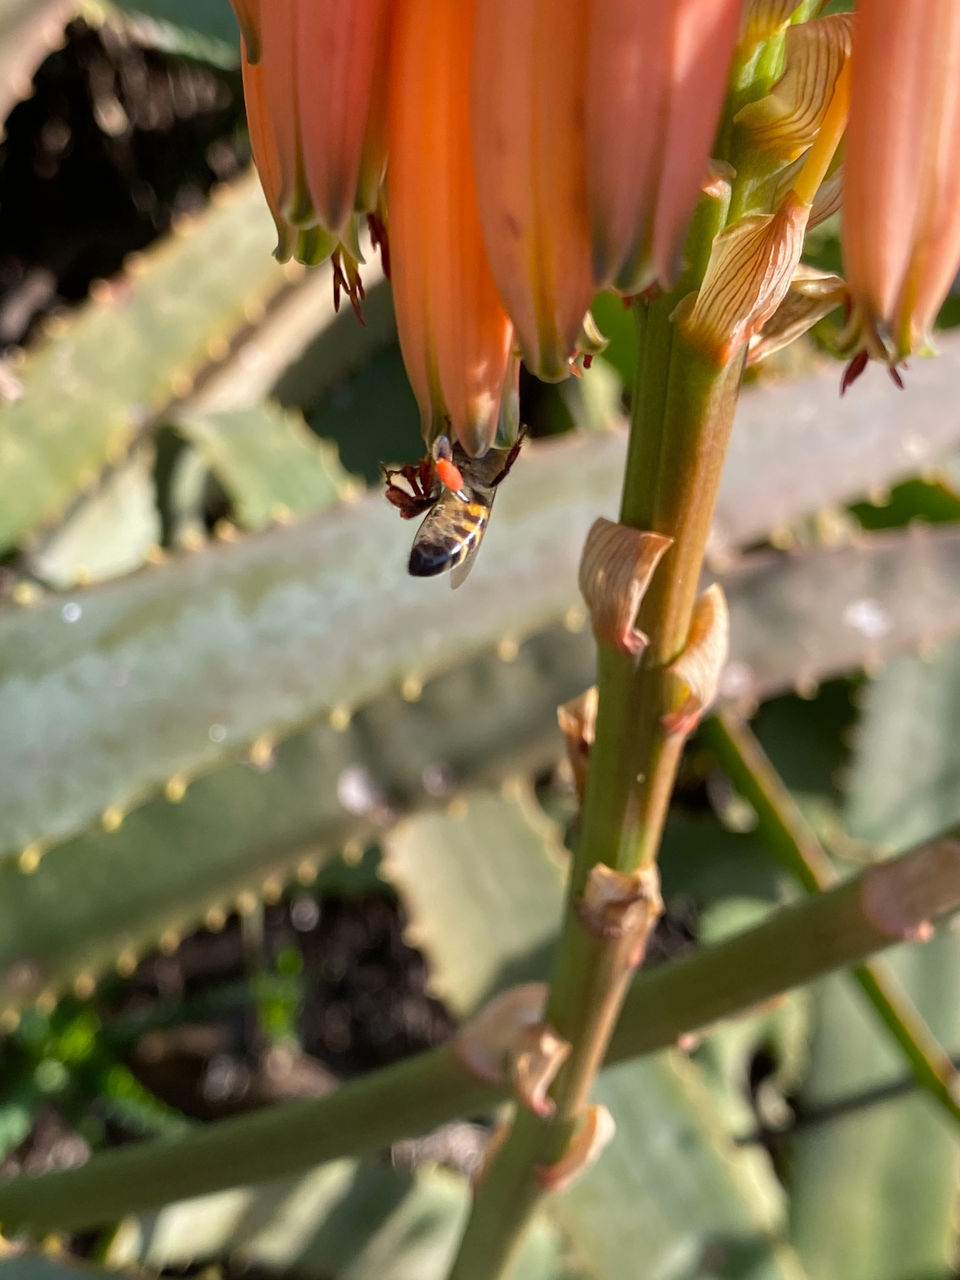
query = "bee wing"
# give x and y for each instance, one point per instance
(461, 572)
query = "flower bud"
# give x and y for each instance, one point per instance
(529, 69)
(901, 234)
(455, 336)
(655, 83)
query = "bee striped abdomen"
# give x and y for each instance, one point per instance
(449, 533)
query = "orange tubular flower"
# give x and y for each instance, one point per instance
(454, 333)
(655, 84)
(341, 52)
(313, 72)
(528, 84)
(901, 233)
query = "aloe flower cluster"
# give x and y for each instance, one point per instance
(519, 155)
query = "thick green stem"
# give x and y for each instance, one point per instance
(795, 945)
(681, 425)
(790, 836)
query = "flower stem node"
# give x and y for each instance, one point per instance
(539, 1055)
(696, 673)
(594, 1132)
(578, 722)
(894, 896)
(621, 904)
(508, 1041)
(615, 571)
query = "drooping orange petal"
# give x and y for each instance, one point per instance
(340, 57)
(278, 67)
(528, 81)
(263, 144)
(901, 236)
(657, 72)
(454, 333)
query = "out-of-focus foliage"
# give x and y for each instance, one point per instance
(217, 685)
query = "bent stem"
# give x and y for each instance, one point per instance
(679, 432)
(790, 837)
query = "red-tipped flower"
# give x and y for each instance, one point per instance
(901, 236)
(454, 333)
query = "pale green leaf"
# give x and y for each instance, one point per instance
(905, 774)
(111, 533)
(873, 1193)
(671, 1195)
(267, 460)
(483, 884)
(345, 1221)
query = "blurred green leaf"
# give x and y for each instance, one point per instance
(873, 1192)
(829, 611)
(670, 1193)
(268, 635)
(111, 533)
(267, 460)
(797, 447)
(199, 28)
(934, 502)
(905, 772)
(108, 693)
(109, 368)
(483, 885)
(345, 1221)
(101, 894)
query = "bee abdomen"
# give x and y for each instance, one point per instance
(446, 537)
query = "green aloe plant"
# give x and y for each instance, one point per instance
(218, 688)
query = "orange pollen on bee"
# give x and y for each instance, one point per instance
(450, 474)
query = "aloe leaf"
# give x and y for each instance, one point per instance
(199, 28)
(262, 636)
(267, 460)
(112, 533)
(797, 447)
(873, 1192)
(670, 1189)
(345, 1221)
(105, 895)
(29, 30)
(106, 371)
(268, 635)
(664, 1190)
(830, 611)
(905, 773)
(483, 884)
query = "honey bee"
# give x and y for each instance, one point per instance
(457, 492)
